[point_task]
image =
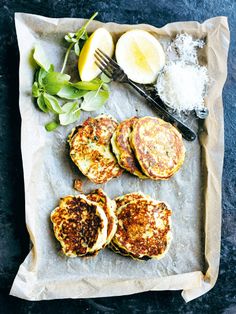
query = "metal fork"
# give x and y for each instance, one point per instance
(111, 69)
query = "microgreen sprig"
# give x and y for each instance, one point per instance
(74, 40)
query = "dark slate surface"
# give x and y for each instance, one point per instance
(13, 234)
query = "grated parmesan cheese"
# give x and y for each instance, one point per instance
(183, 82)
(185, 48)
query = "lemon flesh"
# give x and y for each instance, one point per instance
(102, 39)
(140, 55)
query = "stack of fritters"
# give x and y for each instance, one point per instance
(143, 229)
(148, 147)
(90, 149)
(84, 224)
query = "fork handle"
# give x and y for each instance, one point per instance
(187, 133)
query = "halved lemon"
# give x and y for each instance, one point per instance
(102, 39)
(140, 55)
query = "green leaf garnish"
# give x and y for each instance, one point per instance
(40, 58)
(105, 78)
(52, 103)
(91, 85)
(71, 113)
(41, 75)
(35, 90)
(51, 126)
(94, 100)
(54, 81)
(41, 104)
(70, 92)
(70, 37)
(77, 49)
(105, 87)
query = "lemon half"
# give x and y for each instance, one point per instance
(140, 55)
(102, 39)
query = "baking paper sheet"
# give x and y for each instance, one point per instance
(194, 193)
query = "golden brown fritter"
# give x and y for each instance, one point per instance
(143, 229)
(158, 146)
(90, 149)
(122, 149)
(79, 225)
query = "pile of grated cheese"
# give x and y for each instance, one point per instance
(185, 47)
(182, 84)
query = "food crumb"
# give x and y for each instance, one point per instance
(78, 185)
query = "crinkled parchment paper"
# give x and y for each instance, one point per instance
(194, 193)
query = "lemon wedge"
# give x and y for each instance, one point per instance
(140, 55)
(102, 39)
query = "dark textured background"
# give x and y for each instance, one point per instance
(13, 234)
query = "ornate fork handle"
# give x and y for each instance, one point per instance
(187, 133)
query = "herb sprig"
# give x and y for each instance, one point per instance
(56, 94)
(74, 40)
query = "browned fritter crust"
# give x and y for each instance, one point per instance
(76, 225)
(109, 208)
(143, 228)
(122, 149)
(127, 198)
(115, 248)
(158, 146)
(90, 149)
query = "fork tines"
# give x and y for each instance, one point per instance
(105, 63)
